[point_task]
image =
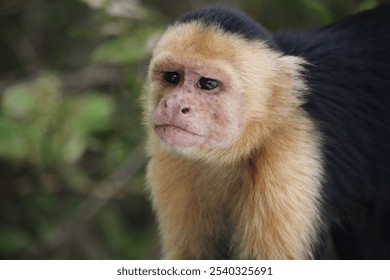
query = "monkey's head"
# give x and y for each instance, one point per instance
(216, 95)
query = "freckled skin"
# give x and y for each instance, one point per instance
(187, 115)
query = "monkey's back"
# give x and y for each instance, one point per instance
(349, 79)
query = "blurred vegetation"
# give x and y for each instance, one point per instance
(71, 141)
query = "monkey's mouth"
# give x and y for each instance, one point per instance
(178, 136)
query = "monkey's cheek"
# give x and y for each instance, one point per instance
(176, 136)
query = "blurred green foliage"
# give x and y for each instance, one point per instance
(47, 128)
(71, 170)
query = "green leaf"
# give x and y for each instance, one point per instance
(120, 50)
(18, 102)
(366, 5)
(96, 112)
(8, 129)
(11, 142)
(73, 148)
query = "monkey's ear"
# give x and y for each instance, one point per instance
(289, 67)
(289, 88)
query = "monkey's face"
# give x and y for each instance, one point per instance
(214, 95)
(196, 104)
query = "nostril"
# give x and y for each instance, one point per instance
(185, 110)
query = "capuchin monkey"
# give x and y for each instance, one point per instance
(270, 146)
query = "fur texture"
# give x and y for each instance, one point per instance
(299, 139)
(348, 72)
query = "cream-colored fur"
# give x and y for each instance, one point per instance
(264, 190)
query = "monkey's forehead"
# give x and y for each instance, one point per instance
(195, 40)
(209, 43)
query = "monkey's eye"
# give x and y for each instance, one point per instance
(172, 77)
(207, 84)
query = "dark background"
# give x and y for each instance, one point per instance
(71, 140)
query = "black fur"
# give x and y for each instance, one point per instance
(231, 21)
(349, 79)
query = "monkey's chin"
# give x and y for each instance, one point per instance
(177, 136)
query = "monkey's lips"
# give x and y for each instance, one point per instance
(178, 136)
